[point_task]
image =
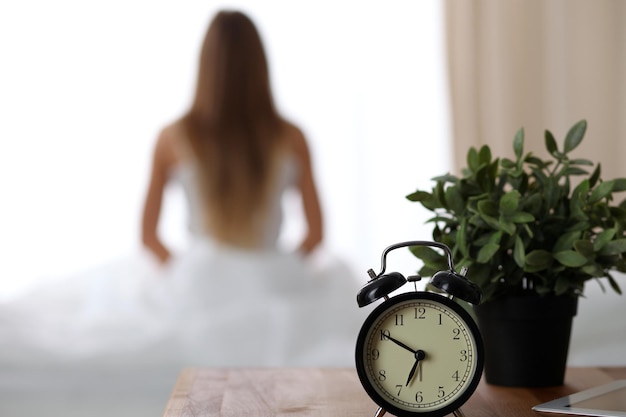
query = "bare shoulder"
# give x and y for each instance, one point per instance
(295, 140)
(169, 145)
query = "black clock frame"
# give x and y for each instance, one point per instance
(360, 355)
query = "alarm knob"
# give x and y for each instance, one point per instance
(379, 287)
(457, 285)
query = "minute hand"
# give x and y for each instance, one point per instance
(399, 343)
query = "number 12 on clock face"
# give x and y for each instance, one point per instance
(419, 353)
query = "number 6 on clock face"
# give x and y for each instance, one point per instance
(419, 353)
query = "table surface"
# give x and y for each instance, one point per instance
(337, 392)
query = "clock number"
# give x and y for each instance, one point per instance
(457, 333)
(399, 389)
(399, 319)
(441, 393)
(455, 376)
(420, 313)
(440, 319)
(382, 375)
(463, 355)
(384, 334)
(375, 354)
(419, 397)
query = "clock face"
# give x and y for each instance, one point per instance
(419, 353)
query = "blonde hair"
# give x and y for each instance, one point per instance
(234, 129)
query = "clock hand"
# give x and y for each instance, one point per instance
(417, 362)
(402, 345)
(419, 371)
(419, 357)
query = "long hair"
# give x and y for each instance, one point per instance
(234, 129)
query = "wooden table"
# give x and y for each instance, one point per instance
(338, 392)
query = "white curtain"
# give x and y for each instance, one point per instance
(539, 65)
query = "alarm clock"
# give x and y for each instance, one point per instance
(419, 353)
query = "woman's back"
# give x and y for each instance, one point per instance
(184, 170)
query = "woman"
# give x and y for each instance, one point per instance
(235, 157)
(232, 298)
(242, 154)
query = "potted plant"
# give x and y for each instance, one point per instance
(531, 232)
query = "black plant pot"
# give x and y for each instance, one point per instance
(526, 339)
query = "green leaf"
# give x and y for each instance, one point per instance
(539, 257)
(533, 204)
(449, 222)
(562, 285)
(495, 237)
(566, 241)
(486, 252)
(483, 239)
(485, 179)
(619, 212)
(574, 171)
(488, 208)
(493, 169)
(551, 143)
(551, 192)
(419, 196)
(454, 199)
(619, 185)
(529, 231)
(480, 274)
(507, 226)
(522, 184)
(575, 136)
(430, 257)
(580, 226)
(601, 191)
(533, 160)
(429, 201)
(484, 155)
(595, 176)
(593, 270)
(603, 238)
(519, 253)
(581, 162)
(461, 238)
(439, 194)
(570, 258)
(472, 159)
(576, 204)
(584, 247)
(509, 202)
(521, 217)
(446, 178)
(582, 189)
(614, 247)
(518, 143)
(506, 163)
(614, 284)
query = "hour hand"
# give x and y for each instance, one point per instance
(419, 357)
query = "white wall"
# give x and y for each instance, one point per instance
(85, 87)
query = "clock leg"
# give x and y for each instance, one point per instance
(458, 413)
(380, 412)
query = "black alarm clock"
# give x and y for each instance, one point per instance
(419, 353)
